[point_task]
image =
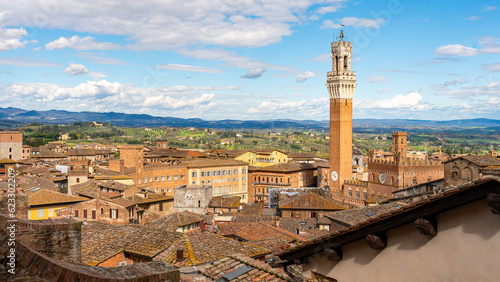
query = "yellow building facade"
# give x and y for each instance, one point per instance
(44, 204)
(263, 158)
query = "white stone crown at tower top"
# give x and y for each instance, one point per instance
(341, 81)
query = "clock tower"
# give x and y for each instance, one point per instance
(341, 82)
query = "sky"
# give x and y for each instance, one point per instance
(249, 59)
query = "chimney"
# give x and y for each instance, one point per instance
(180, 254)
(202, 225)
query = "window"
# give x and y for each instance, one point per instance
(209, 173)
(150, 179)
(243, 187)
(77, 180)
(113, 213)
(10, 150)
(193, 174)
(169, 177)
(224, 172)
(350, 192)
(203, 182)
(244, 170)
(77, 213)
(229, 189)
(357, 193)
(215, 190)
(161, 206)
(202, 174)
(163, 178)
(235, 171)
(84, 213)
(93, 214)
(365, 194)
(169, 190)
(194, 182)
(235, 188)
(157, 178)
(139, 181)
(235, 179)
(40, 213)
(243, 178)
(229, 180)
(176, 177)
(229, 172)
(102, 210)
(183, 176)
(314, 215)
(228, 209)
(209, 181)
(243, 197)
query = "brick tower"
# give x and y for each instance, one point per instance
(341, 82)
(399, 145)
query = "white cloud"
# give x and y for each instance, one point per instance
(456, 50)
(380, 90)
(253, 73)
(455, 82)
(305, 109)
(76, 69)
(10, 38)
(304, 76)
(178, 67)
(473, 18)
(489, 8)
(355, 22)
(152, 24)
(377, 79)
(27, 62)
(327, 57)
(104, 95)
(493, 67)
(488, 45)
(410, 101)
(78, 43)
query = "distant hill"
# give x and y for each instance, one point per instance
(10, 117)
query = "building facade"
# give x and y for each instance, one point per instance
(11, 145)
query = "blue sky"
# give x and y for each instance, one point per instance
(244, 59)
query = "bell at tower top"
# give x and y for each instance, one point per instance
(341, 36)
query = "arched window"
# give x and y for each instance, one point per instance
(357, 193)
(365, 194)
(350, 192)
(392, 181)
(402, 140)
(345, 62)
(467, 173)
(455, 172)
(373, 177)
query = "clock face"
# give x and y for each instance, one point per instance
(382, 177)
(335, 176)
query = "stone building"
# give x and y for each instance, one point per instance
(468, 168)
(226, 176)
(390, 172)
(11, 145)
(294, 175)
(193, 198)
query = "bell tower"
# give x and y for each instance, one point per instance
(341, 82)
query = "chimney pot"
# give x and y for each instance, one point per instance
(202, 225)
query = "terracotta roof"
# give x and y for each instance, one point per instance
(305, 155)
(250, 269)
(225, 202)
(284, 167)
(449, 199)
(203, 246)
(213, 163)
(355, 216)
(114, 185)
(253, 218)
(311, 201)
(173, 221)
(27, 183)
(48, 197)
(251, 209)
(8, 161)
(151, 198)
(256, 231)
(111, 194)
(479, 160)
(101, 241)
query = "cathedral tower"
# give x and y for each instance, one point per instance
(341, 82)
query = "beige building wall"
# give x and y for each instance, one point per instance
(11, 145)
(220, 183)
(466, 248)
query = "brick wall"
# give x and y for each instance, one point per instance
(34, 266)
(100, 205)
(460, 171)
(58, 238)
(21, 204)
